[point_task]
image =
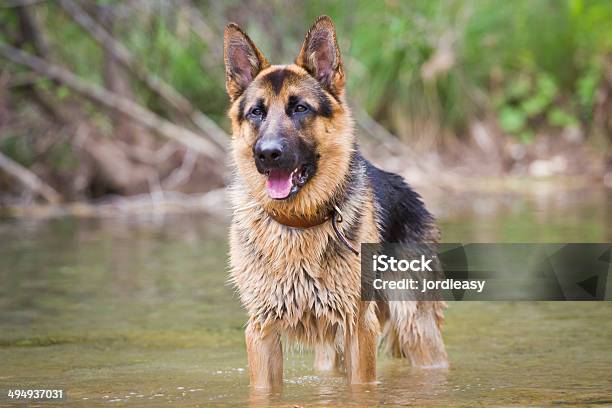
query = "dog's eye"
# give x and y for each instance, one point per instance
(257, 112)
(300, 108)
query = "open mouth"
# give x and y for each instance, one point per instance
(282, 183)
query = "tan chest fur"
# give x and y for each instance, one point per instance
(304, 281)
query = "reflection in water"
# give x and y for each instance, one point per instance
(133, 313)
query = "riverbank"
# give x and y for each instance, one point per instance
(444, 198)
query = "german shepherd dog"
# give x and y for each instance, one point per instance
(304, 199)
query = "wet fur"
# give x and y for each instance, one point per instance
(304, 284)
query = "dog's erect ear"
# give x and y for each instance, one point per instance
(243, 60)
(320, 56)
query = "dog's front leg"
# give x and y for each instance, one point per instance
(360, 346)
(265, 355)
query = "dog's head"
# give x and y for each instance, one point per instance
(292, 130)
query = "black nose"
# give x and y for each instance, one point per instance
(269, 153)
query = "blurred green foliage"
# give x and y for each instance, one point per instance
(530, 63)
(533, 61)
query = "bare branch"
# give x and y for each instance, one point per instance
(153, 82)
(29, 179)
(212, 202)
(377, 131)
(31, 30)
(201, 28)
(115, 102)
(20, 3)
(181, 174)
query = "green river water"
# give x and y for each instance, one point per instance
(137, 312)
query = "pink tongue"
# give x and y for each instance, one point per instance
(279, 184)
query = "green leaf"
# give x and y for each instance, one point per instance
(559, 117)
(511, 119)
(62, 92)
(535, 105)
